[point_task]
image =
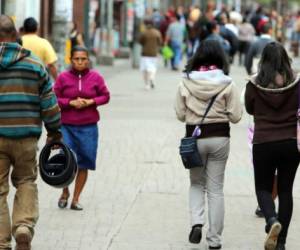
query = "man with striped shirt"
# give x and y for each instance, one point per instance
(26, 101)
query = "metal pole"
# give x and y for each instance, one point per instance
(136, 50)
(106, 56)
(124, 31)
(60, 28)
(110, 28)
(103, 26)
(124, 50)
(86, 23)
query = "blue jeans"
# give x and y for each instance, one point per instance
(176, 59)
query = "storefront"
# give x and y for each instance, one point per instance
(20, 9)
(121, 15)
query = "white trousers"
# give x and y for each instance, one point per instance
(149, 77)
(209, 181)
(149, 67)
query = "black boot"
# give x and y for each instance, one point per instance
(280, 246)
(259, 213)
(273, 229)
(196, 234)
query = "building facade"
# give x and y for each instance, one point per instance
(20, 9)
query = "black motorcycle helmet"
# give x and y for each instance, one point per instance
(60, 169)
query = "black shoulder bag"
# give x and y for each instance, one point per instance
(188, 149)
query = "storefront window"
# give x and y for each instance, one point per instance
(9, 7)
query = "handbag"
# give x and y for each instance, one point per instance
(188, 148)
(167, 52)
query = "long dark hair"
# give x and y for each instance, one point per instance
(209, 53)
(274, 60)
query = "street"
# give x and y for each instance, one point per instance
(137, 199)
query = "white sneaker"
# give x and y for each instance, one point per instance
(271, 239)
(147, 87)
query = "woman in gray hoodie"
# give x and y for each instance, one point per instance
(204, 78)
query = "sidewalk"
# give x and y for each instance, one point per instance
(137, 199)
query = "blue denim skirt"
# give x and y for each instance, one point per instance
(83, 140)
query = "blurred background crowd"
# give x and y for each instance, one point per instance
(111, 28)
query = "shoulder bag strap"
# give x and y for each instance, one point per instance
(205, 113)
(208, 108)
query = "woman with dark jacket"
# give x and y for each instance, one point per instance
(204, 78)
(272, 98)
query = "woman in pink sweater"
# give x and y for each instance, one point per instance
(79, 91)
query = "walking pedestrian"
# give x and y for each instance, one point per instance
(251, 63)
(295, 38)
(39, 46)
(256, 48)
(175, 37)
(272, 98)
(204, 78)
(75, 39)
(213, 33)
(80, 91)
(26, 101)
(246, 34)
(163, 30)
(151, 41)
(75, 36)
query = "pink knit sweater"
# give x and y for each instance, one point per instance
(88, 84)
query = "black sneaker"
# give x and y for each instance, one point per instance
(259, 213)
(273, 229)
(196, 234)
(152, 84)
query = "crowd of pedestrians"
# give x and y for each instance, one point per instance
(210, 39)
(183, 29)
(271, 97)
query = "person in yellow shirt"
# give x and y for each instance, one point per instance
(39, 46)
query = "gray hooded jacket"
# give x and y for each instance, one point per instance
(194, 94)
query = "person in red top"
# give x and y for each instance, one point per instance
(79, 91)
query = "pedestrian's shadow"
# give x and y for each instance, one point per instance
(197, 248)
